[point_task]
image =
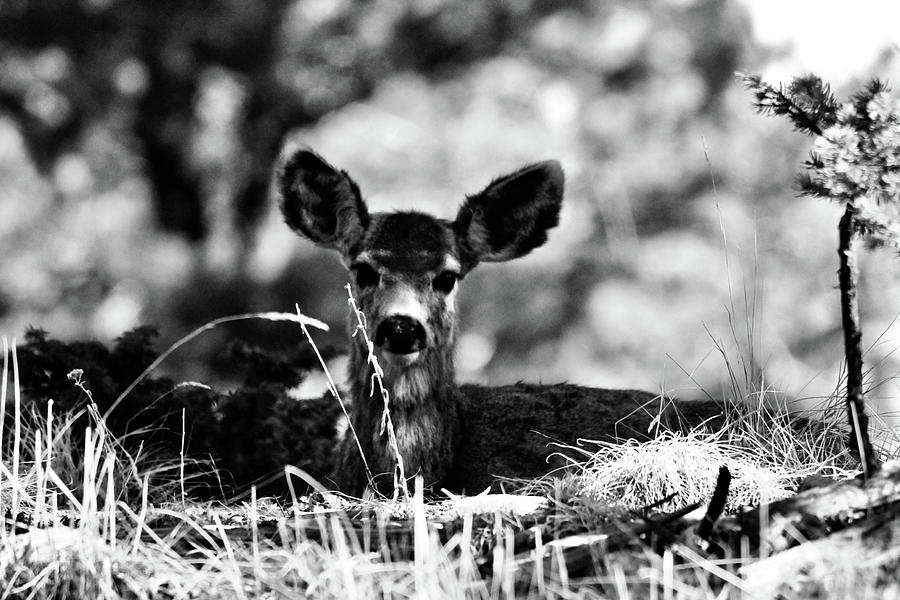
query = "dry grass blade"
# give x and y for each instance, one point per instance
(17, 432)
(3, 388)
(387, 424)
(332, 388)
(267, 316)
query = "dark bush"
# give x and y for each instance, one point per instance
(250, 432)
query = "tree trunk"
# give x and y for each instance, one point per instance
(856, 408)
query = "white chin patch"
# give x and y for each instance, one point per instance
(399, 360)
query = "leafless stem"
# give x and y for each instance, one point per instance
(856, 407)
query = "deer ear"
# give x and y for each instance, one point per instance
(510, 217)
(320, 202)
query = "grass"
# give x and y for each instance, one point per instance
(676, 470)
(94, 521)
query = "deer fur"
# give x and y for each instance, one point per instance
(406, 266)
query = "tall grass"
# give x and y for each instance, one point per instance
(72, 531)
(85, 519)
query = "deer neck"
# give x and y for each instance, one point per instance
(423, 411)
(426, 384)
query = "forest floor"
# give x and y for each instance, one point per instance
(594, 532)
(770, 506)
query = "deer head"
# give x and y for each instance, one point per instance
(406, 266)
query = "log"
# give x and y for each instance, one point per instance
(862, 561)
(820, 511)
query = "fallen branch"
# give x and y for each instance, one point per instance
(820, 511)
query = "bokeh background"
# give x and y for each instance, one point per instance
(137, 141)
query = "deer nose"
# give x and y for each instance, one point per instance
(400, 335)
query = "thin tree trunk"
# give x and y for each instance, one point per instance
(856, 408)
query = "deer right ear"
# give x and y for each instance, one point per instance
(321, 203)
(510, 217)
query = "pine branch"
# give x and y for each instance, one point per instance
(811, 187)
(862, 98)
(878, 224)
(807, 101)
(860, 118)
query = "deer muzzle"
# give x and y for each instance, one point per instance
(400, 335)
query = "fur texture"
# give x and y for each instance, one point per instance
(511, 431)
(424, 413)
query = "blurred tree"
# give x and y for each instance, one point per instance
(856, 163)
(194, 99)
(72, 63)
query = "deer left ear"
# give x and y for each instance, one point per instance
(321, 202)
(511, 216)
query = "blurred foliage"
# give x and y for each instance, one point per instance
(178, 79)
(137, 140)
(250, 432)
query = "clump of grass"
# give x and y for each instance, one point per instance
(768, 450)
(808, 443)
(78, 562)
(51, 464)
(676, 470)
(76, 544)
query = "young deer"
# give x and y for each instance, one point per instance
(406, 267)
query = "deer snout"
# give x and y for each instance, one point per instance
(400, 335)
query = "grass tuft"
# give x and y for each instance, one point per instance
(676, 470)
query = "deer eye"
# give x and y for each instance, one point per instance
(445, 282)
(366, 275)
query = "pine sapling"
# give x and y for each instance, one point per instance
(855, 162)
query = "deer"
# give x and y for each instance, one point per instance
(406, 268)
